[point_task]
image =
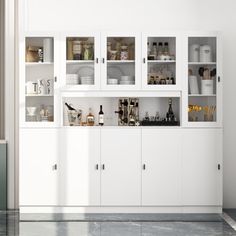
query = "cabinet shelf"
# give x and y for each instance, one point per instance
(79, 61)
(39, 95)
(202, 95)
(161, 61)
(38, 63)
(120, 61)
(201, 63)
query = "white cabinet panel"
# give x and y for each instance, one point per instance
(121, 175)
(39, 152)
(80, 174)
(202, 152)
(161, 175)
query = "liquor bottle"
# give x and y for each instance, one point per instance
(160, 50)
(70, 108)
(166, 49)
(90, 118)
(148, 49)
(170, 114)
(154, 50)
(101, 116)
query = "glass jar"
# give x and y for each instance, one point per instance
(77, 50)
(124, 54)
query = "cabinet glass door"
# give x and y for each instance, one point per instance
(39, 80)
(202, 79)
(159, 62)
(81, 53)
(120, 60)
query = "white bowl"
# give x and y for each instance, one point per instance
(127, 82)
(31, 110)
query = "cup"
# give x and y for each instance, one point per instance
(31, 87)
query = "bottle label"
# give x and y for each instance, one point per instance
(101, 119)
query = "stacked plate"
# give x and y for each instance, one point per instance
(112, 81)
(88, 80)
(72, 79)
(127, 79)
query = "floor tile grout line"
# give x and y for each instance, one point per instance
(229, 220)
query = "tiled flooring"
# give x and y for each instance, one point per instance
(117, 226)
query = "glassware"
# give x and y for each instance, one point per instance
(124, 54)
(77, 50)
(90, 118)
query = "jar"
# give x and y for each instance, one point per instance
(205, 53)
(124, 54)
(77, 50)
(88, 52)
(194, 53)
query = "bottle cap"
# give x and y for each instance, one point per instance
(166, 43)
(154, 43)
(160, 44)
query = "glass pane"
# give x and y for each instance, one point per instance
(39, 79)
(80, 61)
(120, 60)
(161, 55)
(202, 79)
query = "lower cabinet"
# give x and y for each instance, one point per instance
(79, 168)
(202, 167)
(93, 166)
(39, 154)
(161, 174)
(121, 166)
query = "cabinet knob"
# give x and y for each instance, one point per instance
(103, 166)
(218, 78)
(144, 60)
(219, 167)
(55, 78)
(96, 166)
(103, 60)
(97, 60)
(144, 167)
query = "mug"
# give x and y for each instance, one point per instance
(49, 86)
(31, 87)
(41, 86)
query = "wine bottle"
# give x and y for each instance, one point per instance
(101, 116)
(70, 108)
(170, 114)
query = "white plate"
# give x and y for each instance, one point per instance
(114, 72)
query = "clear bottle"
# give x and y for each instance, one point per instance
(101, 116)
(166, 49)
(160, 50)
(154, 50)
(148, 49)
(90, 118)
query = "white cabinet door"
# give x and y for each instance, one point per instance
(202, 177)
(121, 166)
(39, 152)
(80, 169)
(161, 159)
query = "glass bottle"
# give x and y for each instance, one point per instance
(101, 116)
(170, 114)
(160, 50)
(148, 50)
(77, 50)
(154, 50)
(90, 118)
(124, 54)
(166, 49)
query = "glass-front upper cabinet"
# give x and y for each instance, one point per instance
(38, 84)
(81, 65)
(204, 81)
(160, 55)
(120, 61)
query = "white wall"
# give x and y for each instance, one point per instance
(153, 15)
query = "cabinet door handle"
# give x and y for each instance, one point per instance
(219, 167)
(144, 60)
(103, 166)
(55, 78)
(103, 60)
(97, 60)
(54, 167)
(96, 166)
(144, 167)
(218, 78)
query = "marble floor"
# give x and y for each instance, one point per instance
(117, 226)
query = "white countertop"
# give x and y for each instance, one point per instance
(2, 141)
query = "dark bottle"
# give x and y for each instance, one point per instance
(101, 116)
(120, 112)
(70, 108)
(170, 114)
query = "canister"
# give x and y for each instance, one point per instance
(194, 53)
(205, 53)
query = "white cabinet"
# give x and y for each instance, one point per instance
(161, 159)
(202, 167)
(39, 152)
(121, 166)
(80, 167)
